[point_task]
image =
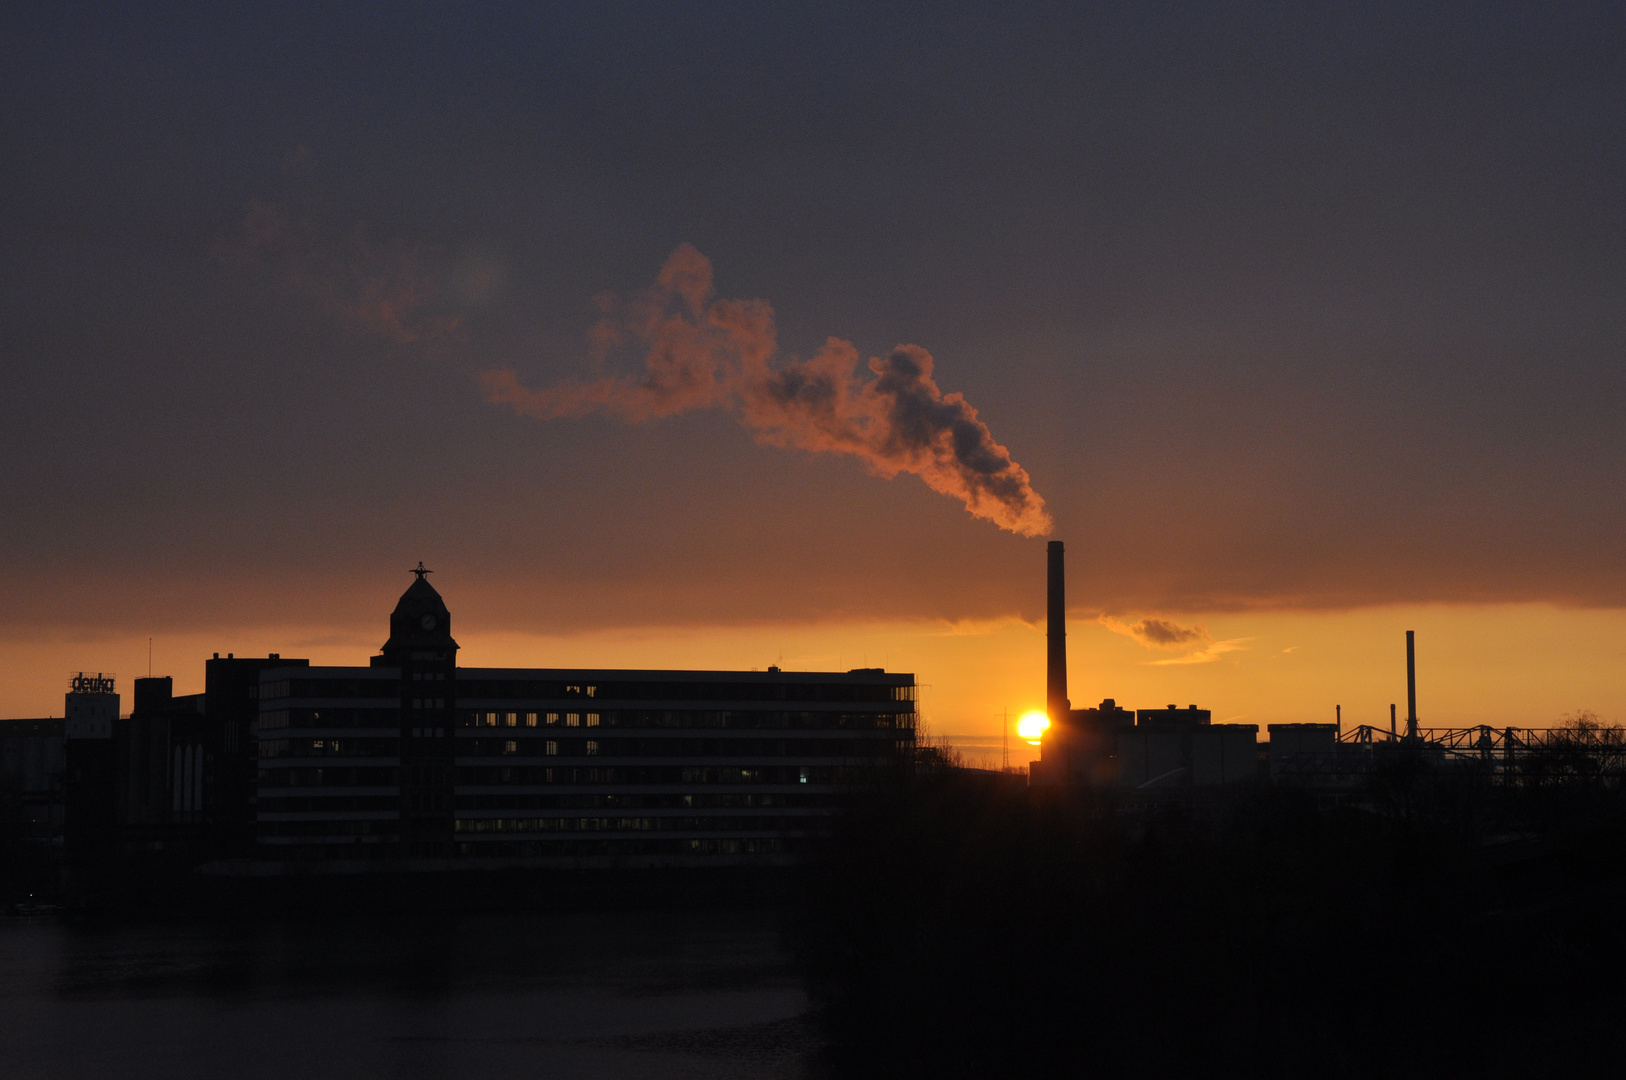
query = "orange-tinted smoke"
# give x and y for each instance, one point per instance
(701, 352)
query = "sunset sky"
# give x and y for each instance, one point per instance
(1302, 326)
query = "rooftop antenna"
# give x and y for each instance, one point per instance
(1392, 731)
(149, 657)
(420, 571)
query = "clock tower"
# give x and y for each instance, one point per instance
(422, 648)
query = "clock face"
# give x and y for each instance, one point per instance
(427, 622)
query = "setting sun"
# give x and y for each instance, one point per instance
(1033, 726)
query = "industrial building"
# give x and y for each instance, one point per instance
(415, 762)
(1157, 755)
(1160, 752)
(1157, 751)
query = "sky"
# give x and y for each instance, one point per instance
(726, 335)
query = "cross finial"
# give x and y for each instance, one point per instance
(420, 571)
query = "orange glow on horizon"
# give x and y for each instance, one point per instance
(1526, 665)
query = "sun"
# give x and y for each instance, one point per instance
(1033, 726)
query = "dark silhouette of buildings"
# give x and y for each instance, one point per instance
(414, 762)
(1109, 746)
(90, 757)
(418, 759)
(33, 767)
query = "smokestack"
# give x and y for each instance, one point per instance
(1411, 684)
(1056, 704)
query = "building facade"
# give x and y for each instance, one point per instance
(416, 759)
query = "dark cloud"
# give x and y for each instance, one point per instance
(1279, 306)
(1158, 633)
(1163, 632)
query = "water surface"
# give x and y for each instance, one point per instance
(624, 994)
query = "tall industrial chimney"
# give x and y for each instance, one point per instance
(1411, 684)
(1056, 704)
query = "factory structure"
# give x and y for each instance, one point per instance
(413, 762)
(1142, 750)
(1156, 755)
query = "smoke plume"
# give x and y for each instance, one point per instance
(701, 352)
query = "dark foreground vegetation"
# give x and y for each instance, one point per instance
(1450, 926)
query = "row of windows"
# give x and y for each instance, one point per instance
(698, 719)
(800, 748)
(544, 690)
(319, 847)
(351, 747)
(390, 718)
(531, 719)
(334, 798)
(663, 801)
(330, 804)
(665, 774)
(764, 690)
(389, 829)
(370, 776)
(635, 824)
(649, 775)
(630, 847)
(625, 824)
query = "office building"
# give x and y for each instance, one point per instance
(415, 759)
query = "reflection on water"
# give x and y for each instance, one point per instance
(624, 994)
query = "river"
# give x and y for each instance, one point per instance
(667, 994)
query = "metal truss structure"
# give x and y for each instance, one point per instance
(1512, 755)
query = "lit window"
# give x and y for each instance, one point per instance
(592, 746)
(510, 747)
(513, 719)
(573, 719)
(553, 747)
(592, 719)
(553, 718)
(530, 719)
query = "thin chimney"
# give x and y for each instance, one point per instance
(1411, 684)
(1056, 703)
